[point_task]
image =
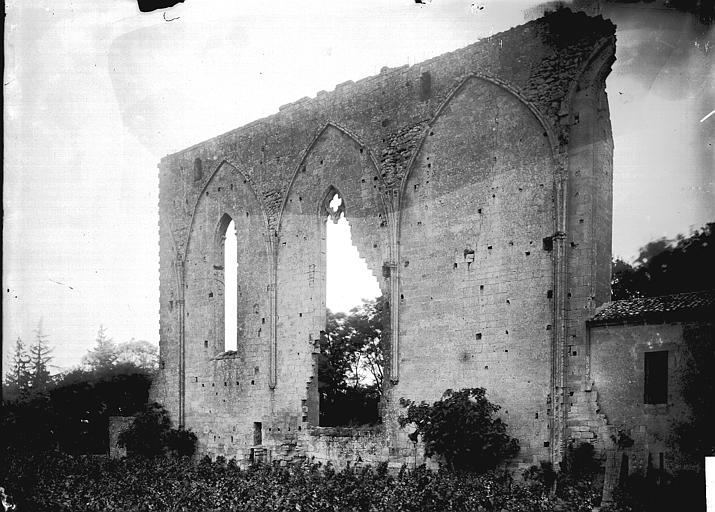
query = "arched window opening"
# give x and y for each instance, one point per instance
(230, 265)
(351, 362)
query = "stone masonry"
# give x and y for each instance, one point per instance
(478, 185)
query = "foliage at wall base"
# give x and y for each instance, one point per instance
(460, 428)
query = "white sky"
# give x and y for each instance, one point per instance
(348, 279)
(96, 93)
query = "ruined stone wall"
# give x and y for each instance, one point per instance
(477, 186)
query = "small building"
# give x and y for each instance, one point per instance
(640, 350)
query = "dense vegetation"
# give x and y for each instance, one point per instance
(70, 411)
(60, 482)
(660, 492)
(73, 415)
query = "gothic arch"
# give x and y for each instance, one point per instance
(242, 192)
(306, 153)
(553, 139)
(202, 193)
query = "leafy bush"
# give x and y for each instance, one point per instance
(181, 442)
(543, 475)
(460, 429)
(151, 435)
(577, 487)
(660, 491)
(580, 462)
(60, 482)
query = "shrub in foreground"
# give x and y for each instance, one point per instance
(151, 435)
(60, 482)
(660, 491)
(461, 429)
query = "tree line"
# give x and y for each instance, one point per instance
(70, 411)
(30, 371)
(667, 265)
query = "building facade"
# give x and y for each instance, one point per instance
(641, 357)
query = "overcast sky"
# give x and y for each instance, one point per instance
(97, 92)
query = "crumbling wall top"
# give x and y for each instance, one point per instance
(389, 113)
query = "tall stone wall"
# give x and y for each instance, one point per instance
(478, 189)
(475, 209)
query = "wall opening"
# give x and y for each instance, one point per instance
(624, 470)
(351, 360)
(656, 377)
(257, 433)
(230, 265)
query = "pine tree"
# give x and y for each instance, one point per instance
(18, 378)
(104, 354)
(39, 359)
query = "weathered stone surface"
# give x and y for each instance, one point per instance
(478, 187)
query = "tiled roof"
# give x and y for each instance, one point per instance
(690, 305)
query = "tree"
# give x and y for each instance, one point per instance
(350, 365)
(151, 435)
(132, 354)
(18, 378)
(461, 429)
(334, 361)
(39, 360)
(666, 266)
(352, 349)
(103, 355)
(139, 353)
(365, 325)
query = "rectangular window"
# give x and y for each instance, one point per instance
(257, 433)
(656, 377)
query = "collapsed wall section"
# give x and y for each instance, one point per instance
(336, 163)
